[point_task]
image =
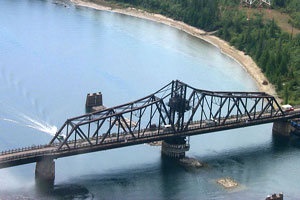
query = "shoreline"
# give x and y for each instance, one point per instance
(244, 60)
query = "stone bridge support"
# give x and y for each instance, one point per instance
(175, 147)
(282, 128)
(45, 173)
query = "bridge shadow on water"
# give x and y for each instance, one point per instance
(64, 191)
(166, 178)
(281, 143)
(149, 181)
(278, 145)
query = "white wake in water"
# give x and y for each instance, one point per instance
(9, 120)
(40, 125)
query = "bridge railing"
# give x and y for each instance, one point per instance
(22, 149)
(25, 153)
(32, 154)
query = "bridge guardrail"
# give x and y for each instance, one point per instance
(25, 155)
(29, 148)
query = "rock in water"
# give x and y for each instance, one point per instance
(227, 182)
(190, 162)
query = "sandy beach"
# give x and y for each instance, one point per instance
(239, 56)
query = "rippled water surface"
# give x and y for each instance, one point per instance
(52, 55)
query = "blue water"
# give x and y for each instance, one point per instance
(52, 55)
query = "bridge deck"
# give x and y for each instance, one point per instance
(33, 154)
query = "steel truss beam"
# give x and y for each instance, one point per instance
(177, 105)
(256, 2)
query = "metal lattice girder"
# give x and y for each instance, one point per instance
(177, 105)
(257, 2)
(126, 118)
(268, 2)
(250, 2)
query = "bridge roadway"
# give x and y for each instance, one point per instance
(32, 154)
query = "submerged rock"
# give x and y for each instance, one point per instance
(190, 162)
(227, 182)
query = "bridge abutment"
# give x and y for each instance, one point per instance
(175, 147)
(45, 173)
(282, 128)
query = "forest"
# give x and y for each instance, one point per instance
(274, 50)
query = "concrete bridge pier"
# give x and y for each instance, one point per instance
(45, 173)
(175, 147)
(282, 128)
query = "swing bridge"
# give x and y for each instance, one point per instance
(170, 114)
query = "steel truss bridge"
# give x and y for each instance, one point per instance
(176, 110)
